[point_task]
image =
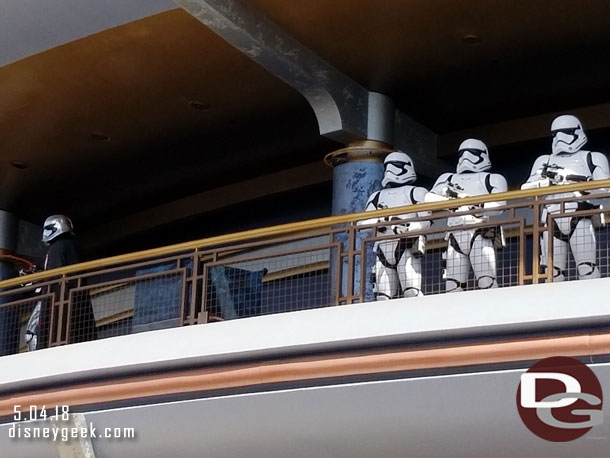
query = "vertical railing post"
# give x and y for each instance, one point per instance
(340, 265)
(62, 334)
(192, 317)
(351, 264)
(334, 270)
(521, 260)
(366, 287)
(548, 274)
(204, 313)
(536, 241)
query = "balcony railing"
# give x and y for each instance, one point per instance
(310, 264)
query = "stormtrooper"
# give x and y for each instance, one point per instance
(568, 163)
(58, 235)
(398, 264)
(470, 247)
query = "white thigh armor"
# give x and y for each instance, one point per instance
(468, 248)
(398, 264)
(571, 233)
(578, 235)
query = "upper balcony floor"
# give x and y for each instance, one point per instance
(284, 320)
(335, 261)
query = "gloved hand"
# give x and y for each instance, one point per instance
(454, 192)
(479, 214)
(31, 339)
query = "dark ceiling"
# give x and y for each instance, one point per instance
(453, 64)
(182, 111)
(162, 108)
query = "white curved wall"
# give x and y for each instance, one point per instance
(512, 310)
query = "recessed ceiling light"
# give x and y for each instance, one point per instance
(19, 165)
(471, 39)
(100, 136)
(196, 105)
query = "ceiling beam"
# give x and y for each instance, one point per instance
(345, 110)
(523, 129)
(340, 104)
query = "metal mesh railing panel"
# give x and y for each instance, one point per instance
(526, 241)
(272, 284)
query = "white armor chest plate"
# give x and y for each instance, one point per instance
(573, 164)
(396, 197)
(472, 183)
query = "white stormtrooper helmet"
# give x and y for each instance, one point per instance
(474, 156)
(568, 135)
(398, 170)
(54, 226)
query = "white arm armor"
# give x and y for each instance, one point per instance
(535, 179)
(601, 170)
(419, 195)
(498, 183)
(370, 206)
(439, 190)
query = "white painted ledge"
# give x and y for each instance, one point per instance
(507, 310)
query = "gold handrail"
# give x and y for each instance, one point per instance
(300, 226)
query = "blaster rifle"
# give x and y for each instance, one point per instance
(551, 171)
(454, 190)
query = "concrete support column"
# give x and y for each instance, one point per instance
(357, 173)
(358, 168)
(9, 321)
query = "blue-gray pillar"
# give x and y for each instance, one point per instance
(9, 319)
(357, 173)
(353, 183)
